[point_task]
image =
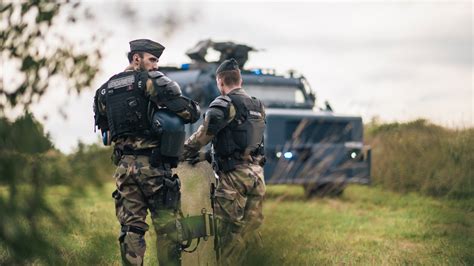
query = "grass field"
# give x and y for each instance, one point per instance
(366, 225)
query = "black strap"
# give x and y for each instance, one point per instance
(187, 245)
(133, 229)
(143, 152)
(237, 156)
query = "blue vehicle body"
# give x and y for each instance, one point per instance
(303, 145)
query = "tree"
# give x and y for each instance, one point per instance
(38, 55)
(28, 162)
(35, 52)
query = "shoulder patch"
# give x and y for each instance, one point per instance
(221, 101)
(121, 82)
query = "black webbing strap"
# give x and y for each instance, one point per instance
(142, 152)
(133, 229)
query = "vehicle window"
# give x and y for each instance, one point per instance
(318, 131)
(276, 94)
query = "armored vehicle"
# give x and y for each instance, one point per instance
(316, 148)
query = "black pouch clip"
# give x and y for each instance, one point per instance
(172, 189)
(226, 164)
(155, 158)
(117, 156)
(116, 195)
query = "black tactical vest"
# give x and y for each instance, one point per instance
(127, 105)
(244, 135)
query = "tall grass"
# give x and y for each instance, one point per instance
(365, 226)
(420, 156)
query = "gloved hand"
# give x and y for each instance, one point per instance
(188, 153)
(195, 159)
(199, 157)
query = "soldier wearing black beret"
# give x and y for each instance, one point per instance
(142, 113)
(144, 55)
(228, 65)
(235, 123)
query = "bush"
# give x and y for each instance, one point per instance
(91, 163)
(29, 166)
(420, 156)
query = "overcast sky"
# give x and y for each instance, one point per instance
(397, 61)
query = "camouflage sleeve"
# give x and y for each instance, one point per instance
(214, 120)
(159, 88)
(197, 140)
(166, 93)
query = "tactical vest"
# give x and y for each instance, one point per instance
(244, 135)
(126, 105)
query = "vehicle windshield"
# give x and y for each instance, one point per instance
(271, 94)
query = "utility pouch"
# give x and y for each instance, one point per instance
(116, 156)
(226, 164)
(155, 158)
(172, 143)
(172, 193)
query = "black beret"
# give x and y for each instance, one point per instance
(145, 45)
(228, 65)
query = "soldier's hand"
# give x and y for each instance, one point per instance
(199, 157)
(208, 156)
(188, 154)
(194, 160)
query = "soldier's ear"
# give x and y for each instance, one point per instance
(221, 83)
(136, 58)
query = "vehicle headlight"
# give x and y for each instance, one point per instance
(353, 155)
(356, 154)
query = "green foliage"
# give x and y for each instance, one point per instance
(24, 172)
(423, 157)
(25, 135)
(91, 162)
(29, 165)
(39, 55)
(28, 162)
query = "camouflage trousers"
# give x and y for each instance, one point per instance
(239, 197)
(140, 188)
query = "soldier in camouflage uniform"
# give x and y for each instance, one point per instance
(134, 110)
(235, 123)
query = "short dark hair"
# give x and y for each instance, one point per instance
(230, 78)
(130, 55)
